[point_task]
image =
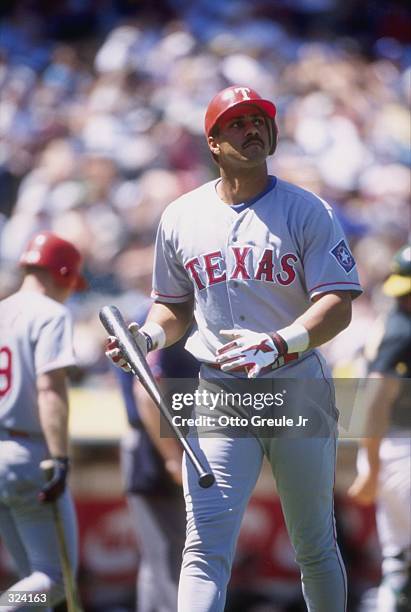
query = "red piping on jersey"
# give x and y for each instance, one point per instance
(330, 284)
(171, 296)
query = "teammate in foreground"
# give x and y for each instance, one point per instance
(266, 270)
(384, 459)
(35, 349)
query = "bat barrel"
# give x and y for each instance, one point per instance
(115, 325)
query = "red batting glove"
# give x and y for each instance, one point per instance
(247, 349)
(114, 353)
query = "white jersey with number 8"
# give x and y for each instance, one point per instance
(35, 338)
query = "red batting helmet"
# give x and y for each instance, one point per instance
(60, 257)
(231, 97)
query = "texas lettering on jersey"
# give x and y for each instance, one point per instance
(211, 268)
(258, 268)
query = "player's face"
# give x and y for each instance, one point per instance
(243, 137)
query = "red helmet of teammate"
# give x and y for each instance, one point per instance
(60, 257)
(231, 98)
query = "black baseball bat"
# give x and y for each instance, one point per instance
(113, 322)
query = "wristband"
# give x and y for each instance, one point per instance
(155, 335)
(280, 344)
(295, 336)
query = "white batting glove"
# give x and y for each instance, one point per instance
(113, 351)
(246, 349)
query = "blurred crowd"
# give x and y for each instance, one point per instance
(101, 126)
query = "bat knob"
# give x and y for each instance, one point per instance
(206, 480)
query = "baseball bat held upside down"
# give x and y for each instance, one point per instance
(115, 325)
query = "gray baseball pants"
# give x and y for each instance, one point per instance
(27, 526)
(303, 468)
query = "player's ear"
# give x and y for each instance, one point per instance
(213, 145)
(273, 136)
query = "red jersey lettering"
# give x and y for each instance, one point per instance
(190, 266)
(5, 370)
(240, 266)
(266, 267)
(212, 268)
(287, 268)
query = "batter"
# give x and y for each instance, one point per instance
(267, 272)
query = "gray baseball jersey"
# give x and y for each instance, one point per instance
(35, 338)
(255, 266)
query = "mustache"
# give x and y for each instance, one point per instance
(253, 140)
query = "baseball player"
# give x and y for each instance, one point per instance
(35, 350)
(384, 459)
(268, 275)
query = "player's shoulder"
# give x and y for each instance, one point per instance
(391, 332)
(189, 203)
(35, 304)
(299, 196)
(27, 313)
(391, 343)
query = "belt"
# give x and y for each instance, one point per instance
(278, 363)
(17, 433)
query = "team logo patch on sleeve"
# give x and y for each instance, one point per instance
(342, 254)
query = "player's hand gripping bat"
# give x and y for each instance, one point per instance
(72, 598)
(115, 325)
